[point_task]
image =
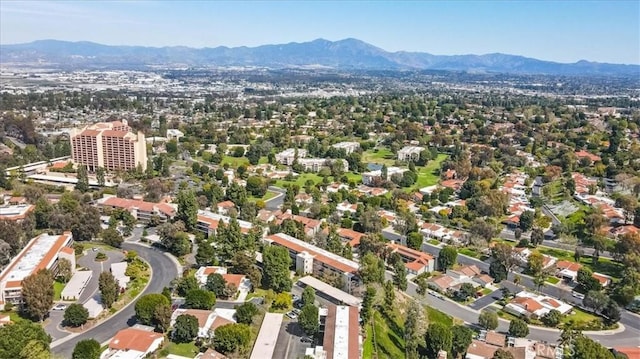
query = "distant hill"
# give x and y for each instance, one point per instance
(344, 55)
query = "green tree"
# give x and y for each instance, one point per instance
(412, 333)
(146, 306)
(16, 336)
(64, 270)
(76, 315)
(112, 237)
(309, 319)
(187, 209)
(584, 347)
(205, 255)
(586, 281)
(526, 220)
(186, 284)
(276, 263)
(100, 176)
(245, 312)
(367, 304)
(400, 275)
(438, 337)
(42, 212)
(162, 317)
(371, 269)
(308, 295)
(498, 271)
(216, 284)
(552, 318)
(466, 290)
(37, 294)
(389, 296)
(231, 337)
(595, 300)
(611, 313)
(537, 236)
(502, 354)
(257, 186)
(86, 349)
(108, 286)
(185, 329)
(200, 299)
(282, 301)
(83, 179)
(35, 349)
(447, 257)
(488, 320)
(414, 240)
(461, 339)
(518, 328)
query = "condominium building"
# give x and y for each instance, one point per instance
(410, 153)
(41, 252)
(348, 147)
(369, 178)
(288, 156)
(316, 164)
(142, 211)
(310, 259)
(342, 339)
(110, 145)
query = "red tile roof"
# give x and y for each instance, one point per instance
(276, 238)
(134, 339)
(234, 279)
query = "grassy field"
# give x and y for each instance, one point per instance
(300, 180)
(389, 336)
(604, 265)
(380, 156)
(267, 196)
(553, 280)
(428, 175)
(188, 350)
(57, 290)
(436, 316)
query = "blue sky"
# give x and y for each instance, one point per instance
(604, 31)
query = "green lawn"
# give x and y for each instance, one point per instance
(553, 280)
(389, 336)
(267, 196)
(300, 180)
(367, 346)
(486, 291)
(435, 242)
(57, 290)
(188, 350)
(469, 252)
(357, 178)
(579, 316)
(436, 316)
(380, 156)
(428, 175)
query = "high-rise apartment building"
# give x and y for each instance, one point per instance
(111, 145)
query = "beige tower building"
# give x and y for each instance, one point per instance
(111, 145)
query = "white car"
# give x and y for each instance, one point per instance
(59, 307)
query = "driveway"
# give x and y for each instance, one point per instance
(164, 268)
(288, 345)
(53, 326)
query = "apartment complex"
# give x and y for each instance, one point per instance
(288, 156)
(410, 153)
(110, 145)
(310, 259)
(348, 147)
(142, 211)
(316, 164)
(41, 252)
(368, 178)
(208, 223)
(342, 339)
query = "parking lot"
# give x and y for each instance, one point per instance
(289, 344)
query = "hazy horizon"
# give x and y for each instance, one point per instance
(565, 32)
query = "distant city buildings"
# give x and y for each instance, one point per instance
(110, 145)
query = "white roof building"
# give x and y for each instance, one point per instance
(118, 270)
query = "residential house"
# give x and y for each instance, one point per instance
(528, 304)
(311, 226)
(415, 261)
(346, 207)
(208, 320)
(569, 272)
(350, 236)
(224, 207)
(522, 256)
(133, 343)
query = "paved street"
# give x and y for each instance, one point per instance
(275, 203)
(164, 270)
(629, 337)
(87, 261)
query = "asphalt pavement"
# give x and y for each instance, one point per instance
(164, 268)
(276, 202)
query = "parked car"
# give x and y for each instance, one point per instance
(295, 298)
(297, 311)
(306, 340)
(59, 307)
(292, 315)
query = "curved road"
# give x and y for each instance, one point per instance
(164, 271)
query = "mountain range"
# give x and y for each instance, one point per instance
(347, 54)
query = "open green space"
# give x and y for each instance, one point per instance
(267, 196)
(380, 156)
(436, 316)
(367, 346)
(428, 175)
(604, 265)
(553, 280)
(389, 336)
(57, 290)
(188, 350)
(300, 180)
